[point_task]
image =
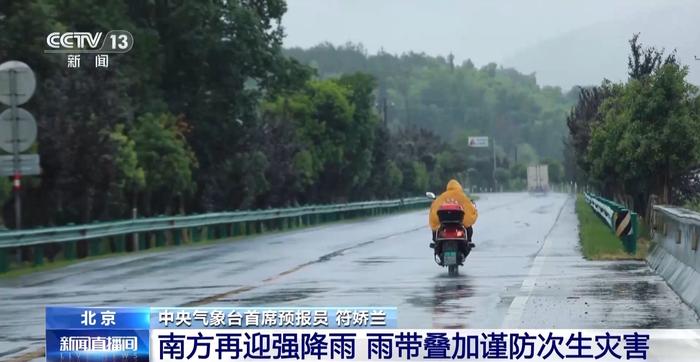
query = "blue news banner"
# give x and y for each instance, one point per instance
(352, 333)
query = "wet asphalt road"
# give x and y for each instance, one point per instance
(526, 272)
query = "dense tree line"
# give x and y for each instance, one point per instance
(456, 100)
(171, 126)
(208, 113)
(639, 138)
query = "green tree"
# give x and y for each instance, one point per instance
(166, 159)
(648, 138)
(502, 176)
(555, 171)
(416, 178)
(130, 177)
(527, 155)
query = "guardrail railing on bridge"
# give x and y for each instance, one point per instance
(105, 237)
(622, 221)
(675, 257)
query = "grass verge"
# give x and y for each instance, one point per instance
(598, 242)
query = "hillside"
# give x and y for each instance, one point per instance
(456, 100)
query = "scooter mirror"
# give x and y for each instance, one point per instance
(430, 195)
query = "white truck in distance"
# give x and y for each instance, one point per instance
(538, 178)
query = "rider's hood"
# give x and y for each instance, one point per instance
(454, 185)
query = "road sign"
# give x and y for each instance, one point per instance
(478, 142)
(28, 165)
(17, 126)
(26, 131)
(25, 82)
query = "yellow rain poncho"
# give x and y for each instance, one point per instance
(453, 194)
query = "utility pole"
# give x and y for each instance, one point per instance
(384, 110)
(494, 163)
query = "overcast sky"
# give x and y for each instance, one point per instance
(489, 30)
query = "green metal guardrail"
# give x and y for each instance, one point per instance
(157, 230)
(622, 221)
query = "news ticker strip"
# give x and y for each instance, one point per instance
(150, 334)
(399, 345)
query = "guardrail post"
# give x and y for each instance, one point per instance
(119, 243)
(635, 232)
(38, 255)
(177, 236)
(69, 250)
(94, 248)
(143, 241)
(160, 238)
(236, 229)
(4, 260)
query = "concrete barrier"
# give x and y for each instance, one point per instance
(675, 256)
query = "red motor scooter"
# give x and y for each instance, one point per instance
(450, 244)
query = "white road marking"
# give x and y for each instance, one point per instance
(515, 312)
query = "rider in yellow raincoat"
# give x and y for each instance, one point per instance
(454, 194)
